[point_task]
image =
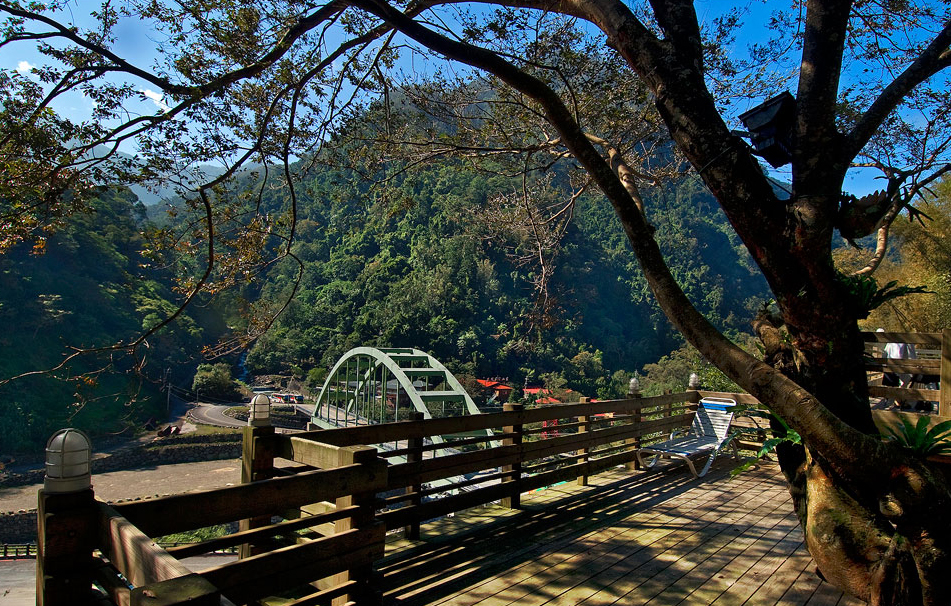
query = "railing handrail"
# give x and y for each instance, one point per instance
(407, 430)
(163, 515)
(917, 338)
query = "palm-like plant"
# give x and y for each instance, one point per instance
(919, 438)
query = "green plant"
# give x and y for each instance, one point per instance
(919, 438)
(744, 410)
(868, 296)
(194, 536)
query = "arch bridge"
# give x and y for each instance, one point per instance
(371, 385)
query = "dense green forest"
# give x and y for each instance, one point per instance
(89, 285)
(421, 263)
(425, 263)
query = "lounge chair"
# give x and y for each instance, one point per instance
(708, 434)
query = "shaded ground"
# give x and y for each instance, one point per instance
(631, 538)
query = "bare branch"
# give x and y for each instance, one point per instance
(933, 59)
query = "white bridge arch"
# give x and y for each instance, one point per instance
(378, 385)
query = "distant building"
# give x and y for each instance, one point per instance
(500, 390)
(543, 395)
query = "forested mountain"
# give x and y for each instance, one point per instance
(424, 263)
(87, 286)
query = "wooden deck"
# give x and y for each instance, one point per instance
(659, 538)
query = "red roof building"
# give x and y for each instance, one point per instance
(501, 390)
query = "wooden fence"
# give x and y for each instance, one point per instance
(17, 551)
(312, 525)
(933, 362)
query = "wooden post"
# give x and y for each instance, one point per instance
(67, 525)
(364, 593)
(513, 437)
(257, 463)
(583, 454)
(944, 404)
(67, 521)
(415, 454)
(634, 393)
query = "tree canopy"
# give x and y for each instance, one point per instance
(589, 82)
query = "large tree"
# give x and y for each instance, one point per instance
(265, 81)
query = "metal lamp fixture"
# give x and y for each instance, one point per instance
(260, 413)
(634, 386)
(68, 456)
(770, 127)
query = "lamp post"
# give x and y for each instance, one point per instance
(68, 456)
(770, 127)
(257, 460)
(694, 382)
(66, 522)
(634, 387)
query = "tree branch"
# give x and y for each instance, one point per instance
(678, 19)
(933, 59)
(835, 441)
(823, 46)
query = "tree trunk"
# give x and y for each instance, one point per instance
(869, 511)
(857, 546)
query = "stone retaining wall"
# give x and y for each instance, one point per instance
(174, 449)
(20, 526)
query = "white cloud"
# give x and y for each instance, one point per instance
(156, 99)
(24, 67)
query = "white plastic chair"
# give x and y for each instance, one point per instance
(709, 432)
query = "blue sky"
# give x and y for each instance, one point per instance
(137, 43)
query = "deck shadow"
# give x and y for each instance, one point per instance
(454, 555)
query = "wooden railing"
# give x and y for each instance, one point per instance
(129, 567)
(934, 361)
(313, 507)
(313, 524)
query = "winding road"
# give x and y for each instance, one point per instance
(214, 414)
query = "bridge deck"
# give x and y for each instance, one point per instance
(631, 537)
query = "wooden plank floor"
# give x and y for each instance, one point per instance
(629, 538)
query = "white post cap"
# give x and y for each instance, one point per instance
(68, 456)
(260, 413)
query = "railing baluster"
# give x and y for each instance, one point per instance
(415, 454)
(583, 454)
(513, 437)
(364, 592)
(944, 404)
